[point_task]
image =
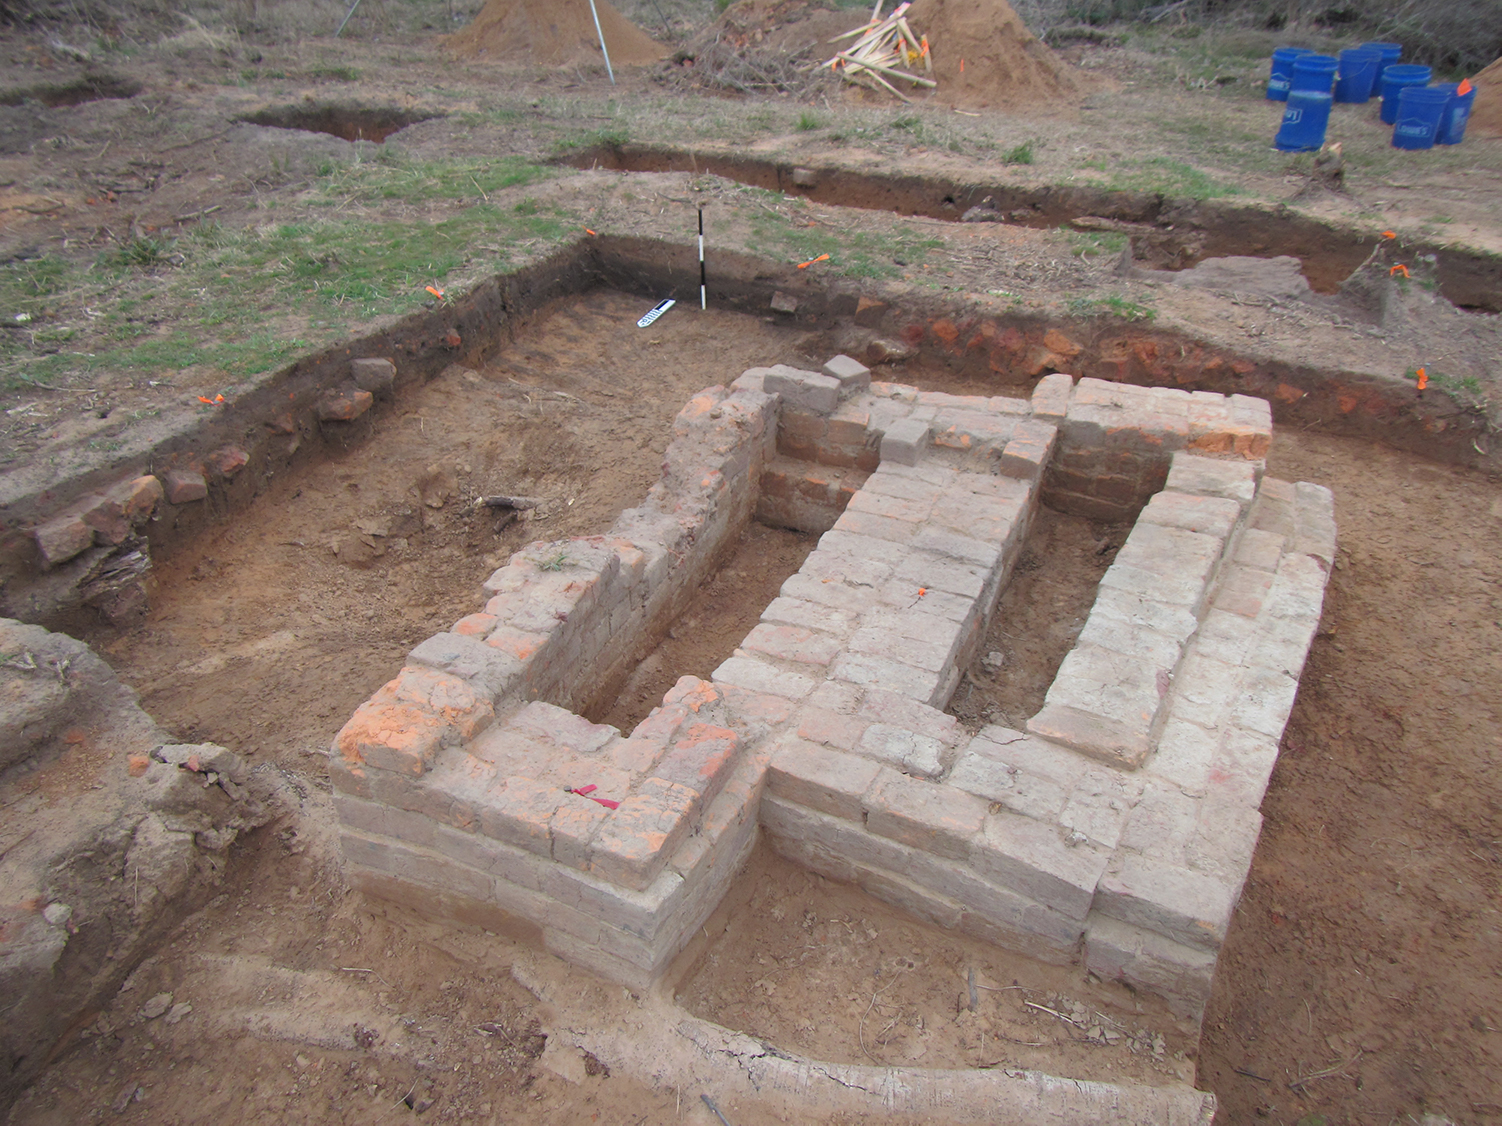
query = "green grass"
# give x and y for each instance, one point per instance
(808, 122)
(1168, 177)
(215, 288)
(1019, 154)
(1112, 305)
(860, 254)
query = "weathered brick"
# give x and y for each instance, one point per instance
(904, 442)
(894, 676)
(908, 750)
(1099, 803)
(793, 643)
(1117, 951)
(518, 810)
(573, 827)
(1000, 782)
(1036, 859)
(1211, 516)
(1243, 591)
(1184, 755)
(492, 671)
(826, 780)
(809, 390)
(701, 757)
(833, 729)
(762, 676)
(1211, 477)
(634, 844)
(924, 815)
(403, 725)
(1186, 906)
(62, 538)
(1101, 736)
(810, 615)
(853, 375)
(1259, 550)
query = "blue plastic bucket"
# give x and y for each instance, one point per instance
(1452, 121)
(1280, 81)
(1391, 53)
(1356, 73)
(1419, 111)
(1394, 78)
(1304, 121)
(1314, 72)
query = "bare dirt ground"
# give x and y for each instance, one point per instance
(1359, 983)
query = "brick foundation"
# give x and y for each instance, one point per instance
(1116, 830)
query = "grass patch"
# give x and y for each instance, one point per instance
(1164, 176)
(1019, 154)
(336, 271)
(1112, 305)
(808, 122)
(859, 254)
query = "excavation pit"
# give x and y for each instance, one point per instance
(348, 123)
(1114, 830)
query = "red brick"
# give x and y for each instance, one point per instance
(227, 460)
(634, 843)
(184, 485)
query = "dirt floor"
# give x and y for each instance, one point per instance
(1359, 983)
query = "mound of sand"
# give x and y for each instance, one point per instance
(1005, 66)
(552, 33)
(1486, 110)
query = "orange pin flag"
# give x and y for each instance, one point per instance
(438, 293)
(1389, 234)
(811, 261)
(1398, 269)
(1423, 378)
(1464, 88)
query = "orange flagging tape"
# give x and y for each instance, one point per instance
(1423, 378)
(1465, 87)
(811, 261)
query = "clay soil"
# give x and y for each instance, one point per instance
(1360, 981)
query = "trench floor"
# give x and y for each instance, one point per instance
(1367, 940)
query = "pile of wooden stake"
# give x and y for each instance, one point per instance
(882, 49)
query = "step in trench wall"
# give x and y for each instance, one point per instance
(1117, 829)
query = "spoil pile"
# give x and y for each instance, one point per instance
(552, 33)
(985, 57)
(1486, 111)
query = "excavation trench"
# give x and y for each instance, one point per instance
(1167, 233)
(348, 123)
(93, 88)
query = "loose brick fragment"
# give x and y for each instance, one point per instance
(403, 725)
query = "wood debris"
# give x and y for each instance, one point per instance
(884, 49)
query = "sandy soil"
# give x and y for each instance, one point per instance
(1360, 979)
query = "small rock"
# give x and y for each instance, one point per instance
(374, 375)
(156, 1006)
(178, 1011)
(985, 211)
(57, 913)
(344, 404)
(805, 177)
(781, 303)
(129, 1094)
(993, 660)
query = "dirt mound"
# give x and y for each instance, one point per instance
(779, 25)
(985, 57)
(552, 32)
(1486, 111)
